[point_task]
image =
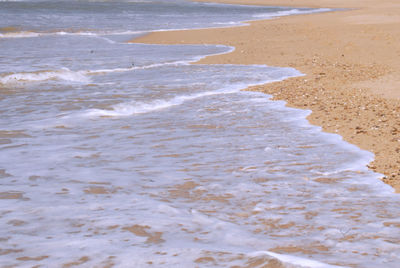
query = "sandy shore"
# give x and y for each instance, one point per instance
(351, 60)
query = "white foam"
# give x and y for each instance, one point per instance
(39, 76)
(131, 108)
(227, 23)
(133, 68)
(249, 195)
(22, 34)
(168, 210)
(290, 12)
(192, 223)
(65, 74)
(303, 262)
(30, 34)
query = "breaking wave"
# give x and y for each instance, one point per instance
(131, 108)
(290, 12)
(65, 74)
(39, 76)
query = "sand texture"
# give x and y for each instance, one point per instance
(351, 60)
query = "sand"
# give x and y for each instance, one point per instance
(351, 59)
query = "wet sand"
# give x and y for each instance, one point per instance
(351, 62)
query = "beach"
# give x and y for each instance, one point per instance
(350, 61)
(123, 154)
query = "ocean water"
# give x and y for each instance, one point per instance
(127, 155)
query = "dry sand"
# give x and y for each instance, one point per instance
(351, 60)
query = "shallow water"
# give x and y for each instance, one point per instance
(128, 155)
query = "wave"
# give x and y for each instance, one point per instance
(294, 11)
(131, 108)
(65, 74)
(150, 66)
(38, 76)
(30, 34)
(294, 260)
(20, 34)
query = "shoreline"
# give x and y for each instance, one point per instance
(350, 62)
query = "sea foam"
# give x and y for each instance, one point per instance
(290, 12)
(66, 74)
(40, 76)
(181, 175)
(132, 108)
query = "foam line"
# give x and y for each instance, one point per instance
(290, 12)
(128, 109)
(132, 108)
(150, 66)
(303, 262)
(30, 34)
(74, 76)
(38, 76)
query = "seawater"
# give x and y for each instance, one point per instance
(127, 155)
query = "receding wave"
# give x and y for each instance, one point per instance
(73, 76)
(30, 34)
(131, 108)
(21, 34)
(294, 11)
(39, 76)
(133, 68)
